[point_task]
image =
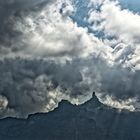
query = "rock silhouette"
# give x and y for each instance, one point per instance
(90, 121)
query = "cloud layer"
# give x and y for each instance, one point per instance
(46, 56)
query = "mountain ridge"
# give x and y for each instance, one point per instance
(88, 121)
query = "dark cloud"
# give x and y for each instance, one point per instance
(27, 84)
(14, 8)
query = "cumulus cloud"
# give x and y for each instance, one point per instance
(45, 56)
(120, 30)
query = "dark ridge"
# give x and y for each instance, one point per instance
(90, 121)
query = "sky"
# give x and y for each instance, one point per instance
(133, 5)
(52, 50)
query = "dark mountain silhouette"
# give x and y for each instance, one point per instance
(90, 121)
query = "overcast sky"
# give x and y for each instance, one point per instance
(53, 50)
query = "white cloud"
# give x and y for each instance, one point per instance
(3, 102)
(52, 34)
(129, 104)
(121, 23)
